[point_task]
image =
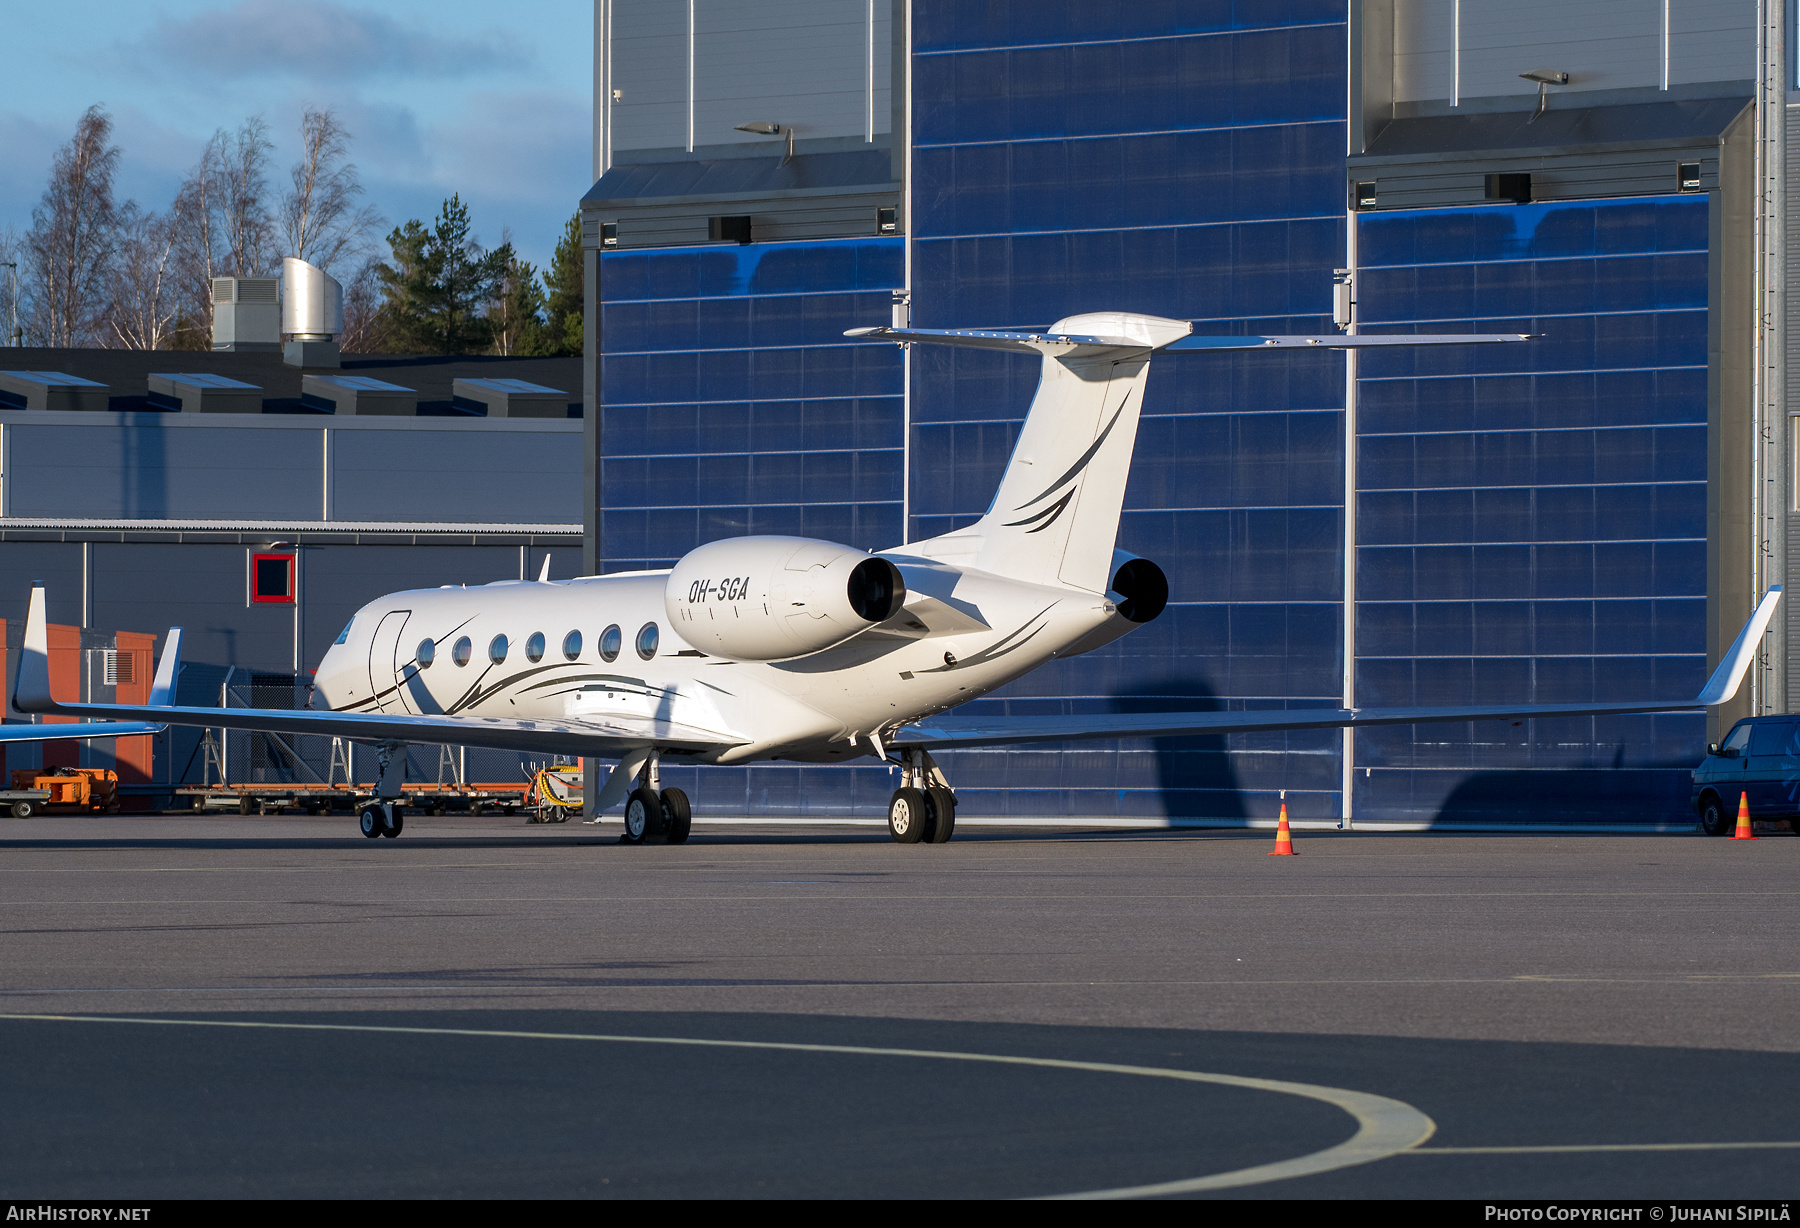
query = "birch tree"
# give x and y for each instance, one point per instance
(145, 300)
(320, 220)
(74, 230)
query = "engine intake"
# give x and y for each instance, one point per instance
(778, 598)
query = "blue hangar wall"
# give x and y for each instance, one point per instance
(1518, 512)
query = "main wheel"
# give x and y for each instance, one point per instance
(907, 822)
(940, 804)
(370, 821)
(1713, 819)
(21, 810)
(643, 816)
(393, 821)
(678, 816)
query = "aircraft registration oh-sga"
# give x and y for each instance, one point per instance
(758, 648)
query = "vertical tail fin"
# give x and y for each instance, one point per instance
(1055, 517)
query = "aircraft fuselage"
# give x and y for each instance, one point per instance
(540, 651)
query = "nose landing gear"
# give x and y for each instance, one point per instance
(381, 819)
(922, 809)
(384, 817)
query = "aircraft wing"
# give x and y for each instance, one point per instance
(950, 733)
(600, 736)
(80, 729)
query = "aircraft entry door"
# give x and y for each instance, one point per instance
(385, 682)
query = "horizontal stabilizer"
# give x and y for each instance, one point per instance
(1019, 342)
(1344, 341)
(1023, 342)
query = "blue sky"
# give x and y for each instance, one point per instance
(492, 101)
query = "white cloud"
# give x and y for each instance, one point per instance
(316, 41)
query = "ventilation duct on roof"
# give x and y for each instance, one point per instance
(312, 302)
(246, 314)
(312, 314)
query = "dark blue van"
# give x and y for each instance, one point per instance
(1759, 759)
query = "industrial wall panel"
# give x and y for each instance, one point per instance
(1415, 183)
(1601, 44)
(455, 477)
(649, 58)
(771, 220)
(1178, 179)
(1424, 50)
(947, 27)
(733, 404)
(59, 566)
(1532, 518)
(805, 63)
(1183, 163)
(1712, 40)
(1151, 84)
(137, 470)
(821, 66)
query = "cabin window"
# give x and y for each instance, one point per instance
(646, 640)
(497, 649)
(571, 645)
(462, 651)
(534, 647)
(611, 640)
(425, 653)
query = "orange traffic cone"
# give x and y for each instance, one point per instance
(1744, 830)
(1284, 843)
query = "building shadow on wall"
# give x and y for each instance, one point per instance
(1642, 794)
(1194, 775)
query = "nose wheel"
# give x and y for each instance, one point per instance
(379, 819)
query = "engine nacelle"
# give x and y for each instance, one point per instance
(777, 598)
(1138, 590)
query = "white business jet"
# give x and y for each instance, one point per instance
(758, 648)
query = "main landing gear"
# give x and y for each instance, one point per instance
(923, 809)
(653, 814)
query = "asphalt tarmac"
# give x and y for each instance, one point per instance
(195, 1007)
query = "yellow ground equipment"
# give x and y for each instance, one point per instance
(75, 788)
(557, 793)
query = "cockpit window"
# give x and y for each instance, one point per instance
(344, 635)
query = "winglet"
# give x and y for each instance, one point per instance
(162, 690)
(1736, 662)
(544, 571)
(31, 691)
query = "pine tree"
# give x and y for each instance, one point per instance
(518, 313)
(407, 289)
(564, 292)
(438, 287)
